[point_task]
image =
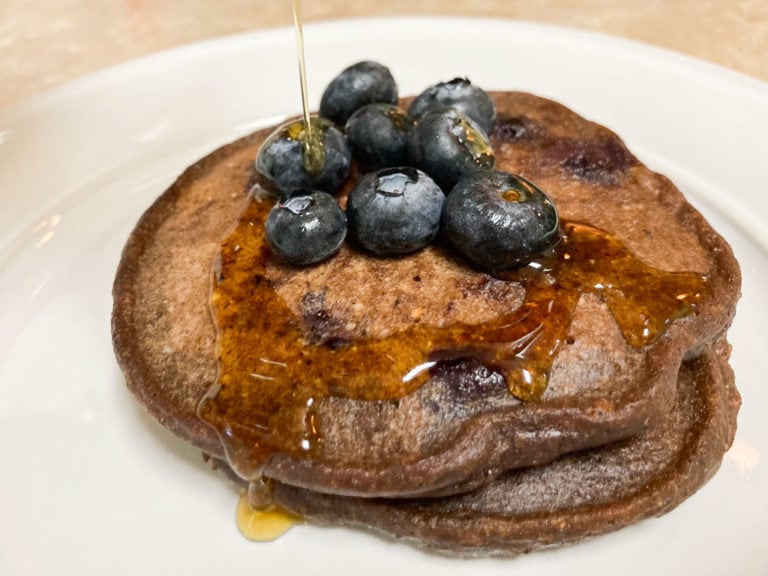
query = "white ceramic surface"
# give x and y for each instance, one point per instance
(90, 485)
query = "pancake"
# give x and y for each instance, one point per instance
(462, 427)
(577, 496)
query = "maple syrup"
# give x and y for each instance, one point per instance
(313, 151)
(271, 379)
(263, 525)
(478, 147)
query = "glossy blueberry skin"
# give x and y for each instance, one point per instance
(378, 135)
(394, 210)
(461, 94)
(500, 220)
(281, 158)
(307, 227)
(447, 145)
(360, 84)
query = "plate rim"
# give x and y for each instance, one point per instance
(95, 76)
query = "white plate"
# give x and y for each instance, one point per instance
(90, 485)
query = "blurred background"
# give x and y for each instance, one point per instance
(44, 43)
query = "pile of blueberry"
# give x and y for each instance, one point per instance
(429, 168)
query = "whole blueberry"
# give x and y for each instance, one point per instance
(307, 227)
(499, 220)
(289, 161)
(377, 134)
(459, 93)
(447, 145)
(394, 210)
(360, 84)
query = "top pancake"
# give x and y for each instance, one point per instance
(463, 427)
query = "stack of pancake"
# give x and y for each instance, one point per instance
(627, 427)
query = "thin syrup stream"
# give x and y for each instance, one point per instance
(313, 154)
(297, 23)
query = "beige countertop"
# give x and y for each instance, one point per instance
(43, 44)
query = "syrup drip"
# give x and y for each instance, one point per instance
(263, 525)
(271, 379)
(474, 142)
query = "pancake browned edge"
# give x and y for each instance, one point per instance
(575, 497)
(462, 428)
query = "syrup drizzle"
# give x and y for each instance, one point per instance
(271, 379)
(313, 155)
(262, 524)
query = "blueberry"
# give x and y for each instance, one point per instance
(447, 145)
(286, 160)
(459, 93)
(378, 134)
(360, 84)
(499, 220)
(394, 210)
(307, 227)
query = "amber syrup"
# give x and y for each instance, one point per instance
(269, 386)
(263, 524)
(267, 523)
(311, 139)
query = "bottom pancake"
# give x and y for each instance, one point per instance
(577, 496)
